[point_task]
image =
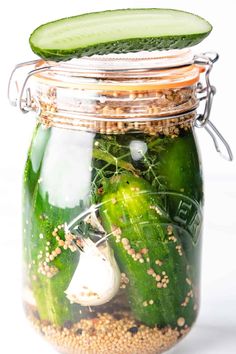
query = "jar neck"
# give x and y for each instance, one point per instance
(116, 93)
(150, 111)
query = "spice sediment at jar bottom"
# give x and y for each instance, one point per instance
(116, 333)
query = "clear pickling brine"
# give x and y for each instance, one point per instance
(113, 202)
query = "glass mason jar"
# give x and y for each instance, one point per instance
(113, 199)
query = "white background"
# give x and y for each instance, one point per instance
(215, 331)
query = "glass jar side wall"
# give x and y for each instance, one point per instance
(112, 239)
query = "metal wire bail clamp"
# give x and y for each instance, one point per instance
(22, 97)
(208, 92)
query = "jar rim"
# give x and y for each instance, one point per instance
(172, 64)
(141, 61)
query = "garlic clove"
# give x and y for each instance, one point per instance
(97, 277)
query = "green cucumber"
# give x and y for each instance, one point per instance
(118, 31)
(180, 166)
(179, 163)
(40, 217)
(128, 212)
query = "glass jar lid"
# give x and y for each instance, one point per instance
(161, 69)
(152, 92)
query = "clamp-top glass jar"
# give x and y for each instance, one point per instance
(113, 199)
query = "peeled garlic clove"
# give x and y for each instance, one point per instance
(97, 277)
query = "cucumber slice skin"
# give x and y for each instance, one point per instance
(118, 46)
(144, 228)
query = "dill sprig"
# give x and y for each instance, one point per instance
(112, 156)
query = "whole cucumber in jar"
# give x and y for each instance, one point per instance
(148, 251)
(183, 193)
(49, 266)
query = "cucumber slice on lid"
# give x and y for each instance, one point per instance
(118, 31)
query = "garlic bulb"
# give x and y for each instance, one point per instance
(97, 277)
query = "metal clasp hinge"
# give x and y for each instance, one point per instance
(18, 92)
(207, 94)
